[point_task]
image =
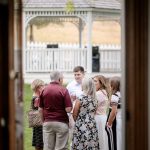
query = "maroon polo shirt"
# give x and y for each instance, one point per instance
(53, 100)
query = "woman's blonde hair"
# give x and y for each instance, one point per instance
(88, 87)
(36, 84)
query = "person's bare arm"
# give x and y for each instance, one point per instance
(68, 109)
(41, 112)
(112, 115)
(76, 110)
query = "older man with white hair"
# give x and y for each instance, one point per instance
(55, 103)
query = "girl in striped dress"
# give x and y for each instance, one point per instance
(114, 120)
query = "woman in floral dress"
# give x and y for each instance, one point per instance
(85, 134)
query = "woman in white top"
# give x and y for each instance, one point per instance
(114, 121)
(101, 116)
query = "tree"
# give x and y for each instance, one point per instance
(41, 22)
(70, 6)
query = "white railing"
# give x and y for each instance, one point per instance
(46, 60)
(60, 45)
(33, 45)
(42, 59)
(110, 60)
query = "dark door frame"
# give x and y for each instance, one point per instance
(136, 81)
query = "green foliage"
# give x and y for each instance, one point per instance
(70, 6)
(41, 22)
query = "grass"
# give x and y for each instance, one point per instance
(27, 130)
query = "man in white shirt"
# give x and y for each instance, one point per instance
(75, 91)
(74, 87)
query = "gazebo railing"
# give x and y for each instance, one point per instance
(110, 60)
(65, 59)
(49, 59)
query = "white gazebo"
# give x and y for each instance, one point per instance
(85, 13)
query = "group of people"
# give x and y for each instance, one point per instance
(86, 113)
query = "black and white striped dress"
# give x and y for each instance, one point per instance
(114, 133)
(37, 137)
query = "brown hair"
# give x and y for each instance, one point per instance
(115, 84)
(78, 68)
(36, 84)
(102, 81)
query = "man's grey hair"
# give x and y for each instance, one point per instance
(56, 75)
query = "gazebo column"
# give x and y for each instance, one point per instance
(89, 42)
(80, 32)
(24, 38)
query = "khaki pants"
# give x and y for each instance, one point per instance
(55, 136)
(71, 128)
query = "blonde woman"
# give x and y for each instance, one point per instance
(85, 134)
(101, 116)
(37, 138)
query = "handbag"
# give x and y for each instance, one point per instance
(34, 118)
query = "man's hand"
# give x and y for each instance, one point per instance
(73, 97)
(109, 125)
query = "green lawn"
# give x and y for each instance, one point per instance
(27, 130)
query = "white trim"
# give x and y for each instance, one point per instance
(32, 14)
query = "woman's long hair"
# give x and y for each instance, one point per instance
(104, 82)
(115, 84)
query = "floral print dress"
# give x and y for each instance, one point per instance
(85, 134)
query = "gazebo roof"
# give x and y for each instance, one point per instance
(103, 4)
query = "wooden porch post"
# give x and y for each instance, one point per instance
(18, 80)
(89, 42)
(136, 29)
(149, 76)
(8, 120)
(4, 89)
